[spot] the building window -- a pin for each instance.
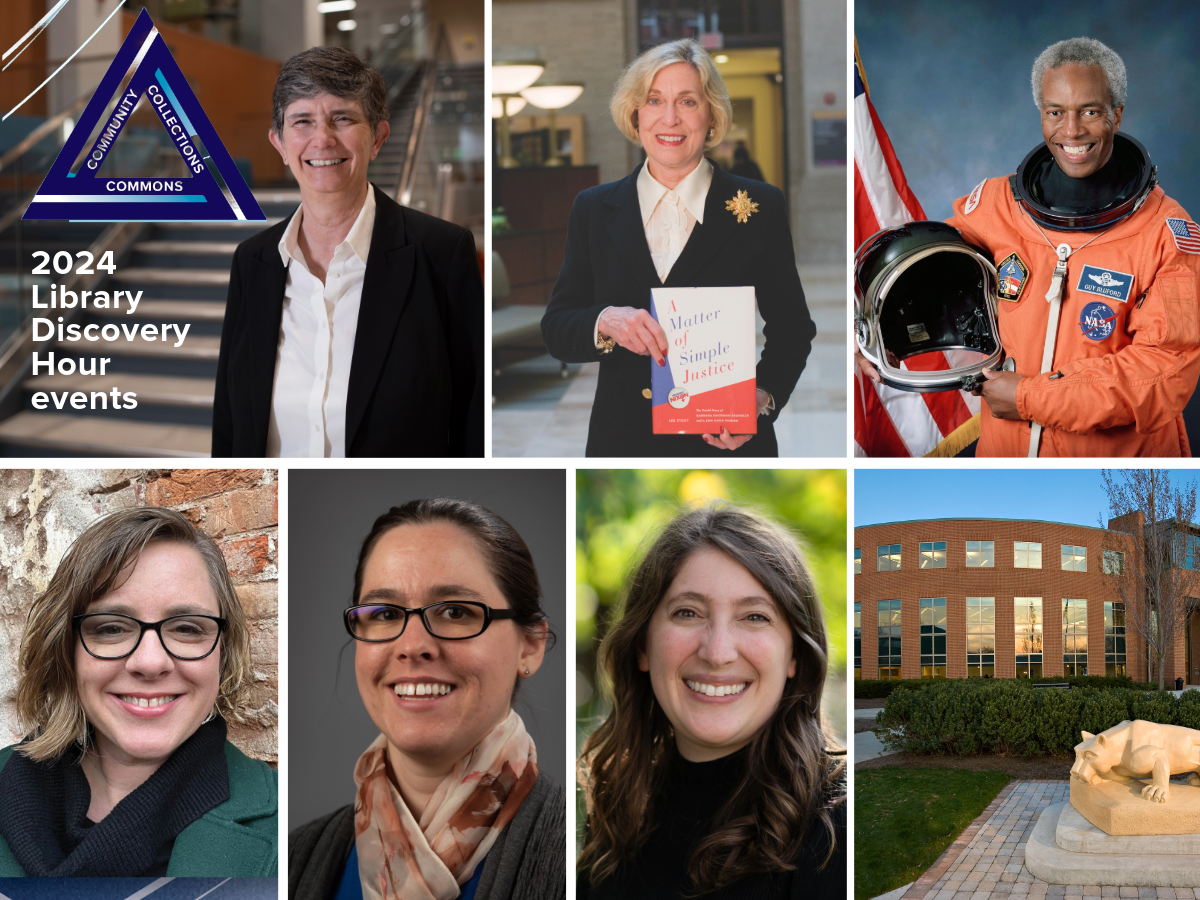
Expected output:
(981, 636)
(1114, 639)
(933, 555)
(889, 639)
(1191, 547)
(1027, 555)
(889, 558)
(981, 554)
(1074, 559)
(1074, 637)
(1028, 616)
(857, 641)
(933, 637)
(1114, 562)
(857, 561)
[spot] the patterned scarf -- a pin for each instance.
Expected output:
(400, 858)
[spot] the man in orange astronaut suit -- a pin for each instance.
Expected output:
(1083, 231)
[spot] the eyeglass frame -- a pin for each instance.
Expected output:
(489, 613)
(156, 627)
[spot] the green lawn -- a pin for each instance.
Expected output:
(905, 818)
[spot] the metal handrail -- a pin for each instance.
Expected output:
(408, 172)
(41, 131)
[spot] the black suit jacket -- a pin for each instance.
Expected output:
(608, 263)
(416, 377)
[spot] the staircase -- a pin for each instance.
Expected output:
(182, 270)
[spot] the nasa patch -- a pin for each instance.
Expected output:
(1012, 274)
(1097, 320)
(1106, 282)
(973, 199)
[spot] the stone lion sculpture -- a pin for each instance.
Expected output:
(1140, 749)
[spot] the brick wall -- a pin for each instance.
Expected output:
(43, 510)
(1004, 582)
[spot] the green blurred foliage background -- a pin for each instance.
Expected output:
(619, 512)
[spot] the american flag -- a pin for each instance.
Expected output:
(889, 422)
(1186, 234)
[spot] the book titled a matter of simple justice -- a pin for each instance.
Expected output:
(708, 382)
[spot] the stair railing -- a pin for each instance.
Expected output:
(408, 171)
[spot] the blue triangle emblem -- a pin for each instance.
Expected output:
(72, 190)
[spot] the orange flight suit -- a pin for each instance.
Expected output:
(1128, 343)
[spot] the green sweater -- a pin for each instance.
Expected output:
(239, 838)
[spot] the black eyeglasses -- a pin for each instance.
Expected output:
(456, 620)
(116, 636)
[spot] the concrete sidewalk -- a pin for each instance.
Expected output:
(987, 861)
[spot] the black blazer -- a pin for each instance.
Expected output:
(608, 263)
(416, 377)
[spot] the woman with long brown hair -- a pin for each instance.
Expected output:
(713, 776)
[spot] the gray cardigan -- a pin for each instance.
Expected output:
(527, 862)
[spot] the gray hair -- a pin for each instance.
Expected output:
(1082, 51)
(329, 70)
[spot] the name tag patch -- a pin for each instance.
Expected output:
(1105, 282)
(1097, 321)
(1011, 276)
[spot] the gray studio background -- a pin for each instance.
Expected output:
(329, 514)
(950, 81)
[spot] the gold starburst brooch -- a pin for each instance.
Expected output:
(741, 206)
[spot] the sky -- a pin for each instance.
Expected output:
(1075, 496)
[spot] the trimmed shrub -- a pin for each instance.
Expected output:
(869, 689)
(1012, 718)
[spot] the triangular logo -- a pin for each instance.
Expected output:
(73, 190)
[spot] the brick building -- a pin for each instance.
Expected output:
(1005, 598)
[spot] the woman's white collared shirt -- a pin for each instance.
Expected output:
(316, 342)
(669, 215)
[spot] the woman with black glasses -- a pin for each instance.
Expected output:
(132, 661)
(447, 622)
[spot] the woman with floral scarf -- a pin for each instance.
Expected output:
(450, 803)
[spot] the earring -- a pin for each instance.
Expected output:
(526, 671)
(710, 134)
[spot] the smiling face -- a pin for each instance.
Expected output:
(719, 651)
(145, 705)
(435, 699)
(327, 143)
(673, 123)
(1078, 118)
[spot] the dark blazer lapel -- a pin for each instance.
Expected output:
(391, 264)
(625, 227)
(709, 236)
(266, 281)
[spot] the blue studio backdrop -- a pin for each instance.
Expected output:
(950, 81)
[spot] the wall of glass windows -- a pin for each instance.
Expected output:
(1074, 619)
(858, 640)
(889, 639)
(933, 637)
(1028, 619)
(1114, 638)
(981, 636)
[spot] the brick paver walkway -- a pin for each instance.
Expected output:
(987, 862)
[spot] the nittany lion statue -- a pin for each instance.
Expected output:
(1140, 749)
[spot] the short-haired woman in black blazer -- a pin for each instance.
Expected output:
(667, 224)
